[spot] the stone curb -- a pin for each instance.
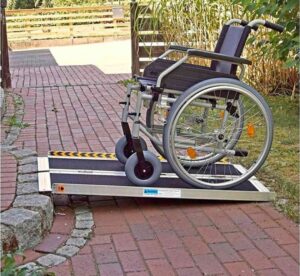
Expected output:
(19, 113)
(31, 215)
(2, 101)
(71, 247)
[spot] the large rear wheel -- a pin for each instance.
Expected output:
(237, 128)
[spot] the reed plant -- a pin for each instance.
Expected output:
(197, 23)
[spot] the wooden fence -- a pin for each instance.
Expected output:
(5, 78)
(147, 42)
(31, 27)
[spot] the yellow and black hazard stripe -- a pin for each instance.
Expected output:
(101, 155)
(82, 154)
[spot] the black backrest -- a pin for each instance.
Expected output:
(231, 43)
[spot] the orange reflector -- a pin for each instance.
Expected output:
(191, 153)
(250, 130)
(60, 188)
(222, 113)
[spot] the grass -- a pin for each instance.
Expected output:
(14, 122)
(281, 170)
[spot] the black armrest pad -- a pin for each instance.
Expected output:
(179, 48)
(217, 56)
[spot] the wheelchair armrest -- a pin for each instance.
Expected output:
(217, 56)
(180, 48)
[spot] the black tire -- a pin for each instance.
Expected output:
(123, 150)
(143, 174)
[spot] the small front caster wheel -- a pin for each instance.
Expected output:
(143, 173)
(124, 149)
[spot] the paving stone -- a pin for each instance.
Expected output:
(132, 261)
(81, 233)
(50, 260)
(11, 138)
(225, 252)
(51, 243)
(84, 265)
(39, 203)
(114, 269)
(33, 268)
(23, 153)
(124, 242)
(160, 267)
(209, 265)
(22, 178)
(8, 239)
(82, 210)
(8, 148)
(27, 188)
(84, 224)
(84, 216)
(26, 225)
(179, 258)
(63, 269)
(28, 160)
(79, 242)
(68, 250)
(28, 168)
(105, 253)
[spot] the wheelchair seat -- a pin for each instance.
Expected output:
(231, 42)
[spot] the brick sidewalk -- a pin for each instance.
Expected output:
(172, 237)
(79, 111)
(8, 180)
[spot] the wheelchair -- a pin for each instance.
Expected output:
(199, 118)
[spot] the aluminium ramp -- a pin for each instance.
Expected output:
(102, 174)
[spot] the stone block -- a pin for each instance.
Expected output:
(68, 250)
(33, 269)
(79, 242)
(28, 160)
(26, 225)
(23, 153)
(28, 168)
(8, 239)
(84, 224)
(82, 210)
(84, 216)
(38, 203)
(79, 233)
(27, 188)
(23, 178)
(50, 260)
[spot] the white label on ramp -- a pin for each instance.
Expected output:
(154, 192)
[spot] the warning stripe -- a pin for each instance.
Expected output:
(103, 155)
(82, 154)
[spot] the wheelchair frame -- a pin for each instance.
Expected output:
(157, 93)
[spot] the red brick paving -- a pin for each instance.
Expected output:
(146, 236)
(8, 180)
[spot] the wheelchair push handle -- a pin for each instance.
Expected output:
(241, 22)
(267, 24)
(273, 26)
(245, 23)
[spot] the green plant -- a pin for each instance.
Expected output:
(284, 46)
(197, 23)
(13, 121)
(10, 268)
(127, 81)
(21, 4)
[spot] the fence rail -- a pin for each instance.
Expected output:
(31, 26)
